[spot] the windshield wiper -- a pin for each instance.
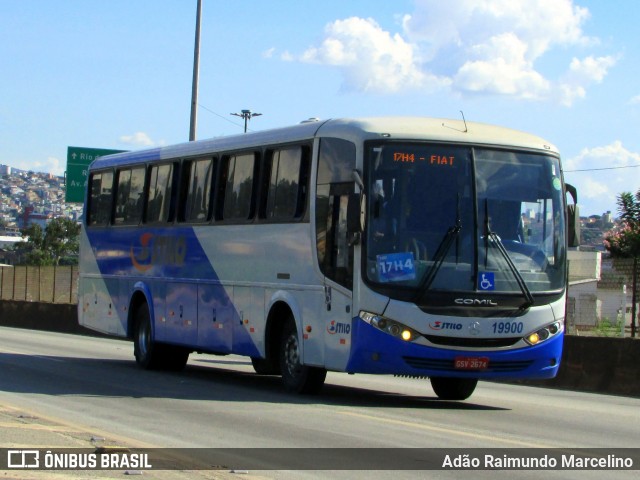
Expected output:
(440, 255)
(493, 237)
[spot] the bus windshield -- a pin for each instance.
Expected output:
(457, 218)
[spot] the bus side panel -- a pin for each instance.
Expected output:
(215, 318)
(338, 328)
(181, 314)
(248, 330)
(96, 306)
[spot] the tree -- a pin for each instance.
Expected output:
(624, 241)
(51, 246)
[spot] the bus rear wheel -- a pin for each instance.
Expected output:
(296, 377)
(447, 388)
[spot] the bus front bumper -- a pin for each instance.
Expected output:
(374, 351)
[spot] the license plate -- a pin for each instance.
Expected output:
(471, 363)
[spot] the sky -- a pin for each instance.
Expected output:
(117, 74)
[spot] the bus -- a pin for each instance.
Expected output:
(415, 247)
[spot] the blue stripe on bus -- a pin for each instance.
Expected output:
(378, 352)
(152, 257)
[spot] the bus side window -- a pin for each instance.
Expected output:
(160, 189)
(336, 163)
(129, 196)
(99, 211)
(238, 187)
(287, 187)
(196, 198)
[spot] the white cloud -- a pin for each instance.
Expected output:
(601, 174)
(268, 53)
(614, 155)
(468, 46)
(51, 165)
(591, 188)
(581, 74)
(371, 58)
(138, 139)
(502, 68)
(635, 100)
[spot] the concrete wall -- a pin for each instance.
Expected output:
(599, 365)
(55, 317)
(592, 364)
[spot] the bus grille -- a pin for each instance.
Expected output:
(472, 342)
(447, 365)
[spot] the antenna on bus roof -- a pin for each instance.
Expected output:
(466, 129)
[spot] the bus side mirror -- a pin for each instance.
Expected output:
(573, 218)
(355, 217)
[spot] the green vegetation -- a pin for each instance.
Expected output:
(624, 241)
(56, 245)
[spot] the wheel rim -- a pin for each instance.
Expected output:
(292, 355)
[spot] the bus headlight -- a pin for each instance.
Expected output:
(393, 328)
(543, 334)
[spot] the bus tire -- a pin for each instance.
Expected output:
(148, 353)
(448, 388)
(265, 366)
(174, 358)
(296, 377)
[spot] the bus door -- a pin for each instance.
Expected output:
(335, 256)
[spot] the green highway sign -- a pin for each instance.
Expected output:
(78, 160)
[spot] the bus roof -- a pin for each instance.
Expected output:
(409, 128)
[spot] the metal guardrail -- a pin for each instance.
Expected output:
(50, 284)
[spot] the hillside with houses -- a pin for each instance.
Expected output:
(30, 197)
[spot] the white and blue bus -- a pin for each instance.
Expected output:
(407, 246)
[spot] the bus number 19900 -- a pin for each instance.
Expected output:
(508, 327)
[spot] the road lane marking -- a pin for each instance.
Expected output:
(449, 431)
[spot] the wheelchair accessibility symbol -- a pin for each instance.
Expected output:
(486, 281)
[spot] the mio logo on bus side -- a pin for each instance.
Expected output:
(338, 327)
(158, 250)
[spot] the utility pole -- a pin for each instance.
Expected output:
(246, 115)
(196, 71)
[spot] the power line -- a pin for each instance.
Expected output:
(226, 119)
(597, 169)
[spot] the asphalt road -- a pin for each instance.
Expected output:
(92, 385)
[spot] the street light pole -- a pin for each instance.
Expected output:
(196, 71)
(246, 115)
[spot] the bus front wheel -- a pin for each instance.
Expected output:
(296, 377)
(447, 388)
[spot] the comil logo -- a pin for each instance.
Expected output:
(23, 459)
